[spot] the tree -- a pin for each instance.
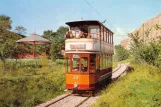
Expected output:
(49, 34)
(20, 30)
(145, 52)
(7, 49)
(58, 41)
(121, 53)
(5, 22)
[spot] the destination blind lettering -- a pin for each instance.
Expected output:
(77, 46)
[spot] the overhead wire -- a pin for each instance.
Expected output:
(98, 13)
(93, 8)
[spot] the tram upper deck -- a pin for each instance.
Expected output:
(88, 36)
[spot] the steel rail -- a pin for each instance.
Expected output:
(83, 101)
(57, 100)
(117, 68)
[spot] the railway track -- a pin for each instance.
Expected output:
(119, 71)
(117, 68)
(71, 100)
(68, 100)
(56, 100)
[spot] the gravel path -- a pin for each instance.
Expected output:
(72, 101)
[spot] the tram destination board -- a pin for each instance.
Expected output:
(76, 56)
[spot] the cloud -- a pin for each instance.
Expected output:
(120, 32)
(119, 35)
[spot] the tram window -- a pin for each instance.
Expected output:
(108, 36)
(111, 38)
(84, 64)
(92, 63)
(104, 61)
(109, 61)
(75, 64)
(75, 32)
(104, 35)
(101, 61)
(94, 33)
(98, 63)
(67, 64)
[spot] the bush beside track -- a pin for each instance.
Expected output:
(28, 85)
(140, 88)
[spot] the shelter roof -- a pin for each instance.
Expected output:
(33, 39)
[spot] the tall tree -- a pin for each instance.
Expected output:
(49, 34)
(8, 50)
(121, 53)
(20, 30)
(5, 22)
(58, 41)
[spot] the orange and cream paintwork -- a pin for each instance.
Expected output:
(84, 81)
(88, 54)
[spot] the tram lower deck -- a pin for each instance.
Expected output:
(85, 71)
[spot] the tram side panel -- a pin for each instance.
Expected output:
(88, 81)
(80, 81)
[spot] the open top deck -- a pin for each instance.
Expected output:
(88, 36)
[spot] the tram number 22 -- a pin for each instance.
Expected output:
(75, 77)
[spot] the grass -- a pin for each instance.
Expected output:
(140, 88)
(28, 85)
(114, 64)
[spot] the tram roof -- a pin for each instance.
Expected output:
(86, 22)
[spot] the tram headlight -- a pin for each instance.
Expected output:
(75, 85)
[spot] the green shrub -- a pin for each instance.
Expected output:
(140, 88)
(28, 87)
(145, 52)
(121, 53)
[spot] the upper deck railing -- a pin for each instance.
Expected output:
(79, 34)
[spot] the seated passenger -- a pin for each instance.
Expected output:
(77, 67)
(85, 35)
(67, 35)
(82, 35)
(77, 34)
(82, 67)
(71, 35)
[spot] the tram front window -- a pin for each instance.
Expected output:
(67, 64)
(75, 63)
(84, 64)
(92, 63)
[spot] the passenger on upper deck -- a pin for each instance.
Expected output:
(83, 35)
(76, 34)
(67, 35)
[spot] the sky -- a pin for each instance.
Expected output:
(122, 16)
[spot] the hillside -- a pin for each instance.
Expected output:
(148, 31)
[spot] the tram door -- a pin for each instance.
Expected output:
(92, 63)
(92, 71)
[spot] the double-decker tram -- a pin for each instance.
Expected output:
(88, 55)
